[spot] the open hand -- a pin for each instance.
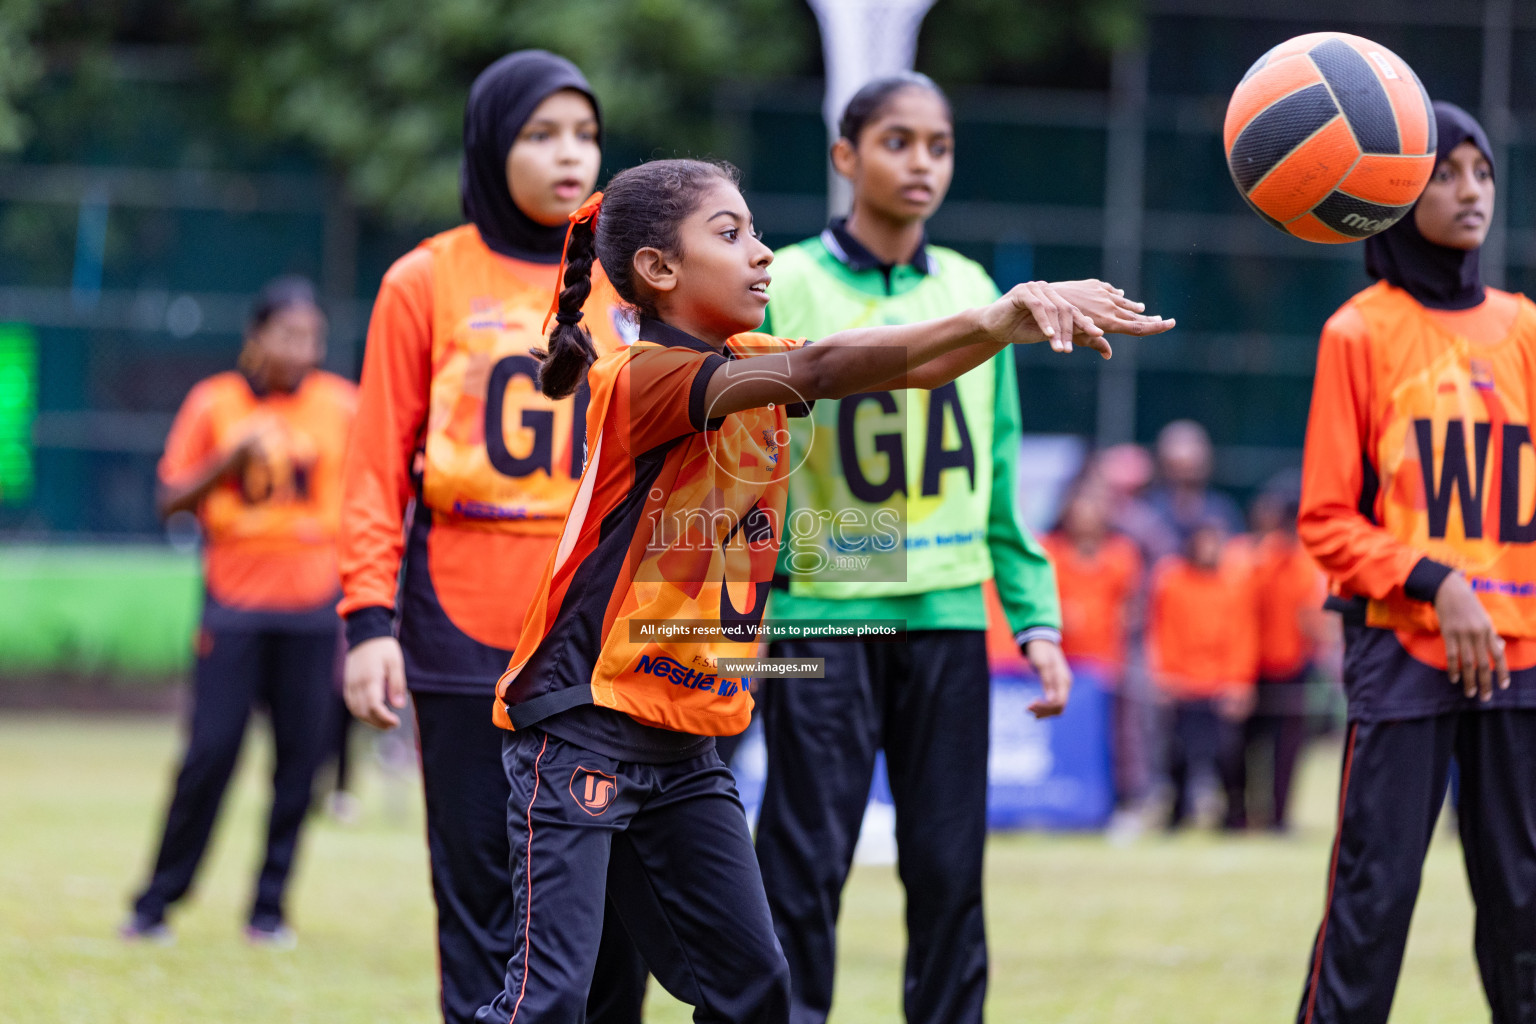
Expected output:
(1110, 310)
(1034, 312)
(1474, 652)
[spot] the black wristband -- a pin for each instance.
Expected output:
(369, 623)
(1424, 581)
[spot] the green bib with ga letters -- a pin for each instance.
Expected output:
(889, 492)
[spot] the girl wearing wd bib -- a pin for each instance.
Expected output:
(1417, 501)
(615, 692)
(453, 428)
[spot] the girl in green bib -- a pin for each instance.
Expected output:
(900, 509)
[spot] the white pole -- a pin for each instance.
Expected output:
(861, 40)
(1498, 36)
(1124, 185)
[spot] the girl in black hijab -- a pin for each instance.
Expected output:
(1415, 499)
(500, 103)
(450, 418)
(1439, 276)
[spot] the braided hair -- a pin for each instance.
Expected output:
(642, 208)
(564, 364)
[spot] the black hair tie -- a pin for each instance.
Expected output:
(569, 319)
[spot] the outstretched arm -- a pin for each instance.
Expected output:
(860, 359)
(1100, 301)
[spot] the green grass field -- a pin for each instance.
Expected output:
(1195, 929)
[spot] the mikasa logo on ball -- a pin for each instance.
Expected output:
(1355, 220)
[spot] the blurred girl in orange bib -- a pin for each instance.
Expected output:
(256, 453)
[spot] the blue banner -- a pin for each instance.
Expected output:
(1052, 773)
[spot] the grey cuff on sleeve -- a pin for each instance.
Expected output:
(1029, 633)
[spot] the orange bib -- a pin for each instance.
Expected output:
(673, 524)
(270, 531)
(1450, 431)
(498, 454)
(290, 494)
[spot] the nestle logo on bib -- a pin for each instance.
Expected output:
(681, 675)
(593, 790)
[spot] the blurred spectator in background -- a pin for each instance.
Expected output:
(1182, 498)
(1289, 590)
(1098, 574)
(1127, 470)
(256, 453)
(1201, 649)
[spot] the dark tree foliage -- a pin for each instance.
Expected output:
(1026, 42)
(377, 87)
(20, 65)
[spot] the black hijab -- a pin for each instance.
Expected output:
(1438, 276)
(500, 103)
